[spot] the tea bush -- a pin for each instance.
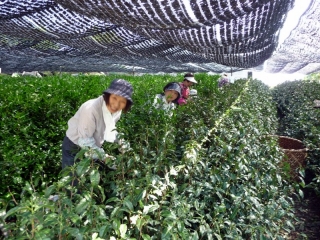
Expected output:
(299, 119)
(208, 172)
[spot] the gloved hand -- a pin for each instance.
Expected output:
(113, 167)
(124, 146)
(109, 161)
(53, 198)
(95, 153)
(108, 157)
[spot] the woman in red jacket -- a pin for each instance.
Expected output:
(187, 82)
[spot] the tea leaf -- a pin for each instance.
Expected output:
(82, 206)
(94, 177)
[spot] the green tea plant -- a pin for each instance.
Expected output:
(208, 172)
(237, 173)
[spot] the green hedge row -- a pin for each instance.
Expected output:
(299, 119)
(211, 171)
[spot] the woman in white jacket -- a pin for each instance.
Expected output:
(168, 99)
(94, 122)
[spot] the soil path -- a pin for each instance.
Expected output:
(307, 225)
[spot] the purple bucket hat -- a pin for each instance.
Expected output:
(121, 88)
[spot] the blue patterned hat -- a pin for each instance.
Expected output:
(121, 88)
(173, 86)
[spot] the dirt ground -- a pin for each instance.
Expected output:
(307, 225)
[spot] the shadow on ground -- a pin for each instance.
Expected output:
(307, 212)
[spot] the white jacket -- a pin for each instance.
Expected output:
(160, 102)
(87, 128)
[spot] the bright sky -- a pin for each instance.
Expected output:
(293, 16)
(269, 79)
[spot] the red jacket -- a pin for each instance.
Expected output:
(184, 94)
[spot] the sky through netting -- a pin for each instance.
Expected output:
(144, 36)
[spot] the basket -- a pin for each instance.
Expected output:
(295, 154)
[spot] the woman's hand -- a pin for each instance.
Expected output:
(109, 161)
(108, 157)
(124, 146)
